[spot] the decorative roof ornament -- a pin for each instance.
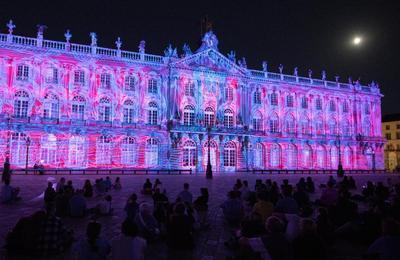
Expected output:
(142, 46)
(265, 66)
(296, 71)
(67, 36)
(41, 28)
(93, 37)
(186, 50)
(10, 26)
(350, 80)
(280, 68)
(310, 73)
(323, 75)
(209, 41)
(118, 43)
(232, 56)
(169, 52)
(242, 63)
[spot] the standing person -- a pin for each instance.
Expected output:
(60, 185)
(117, 184)
(93, 247)
(129, 245)
(201, 206)
(6, 171)
(87, 189)
(50, 194)
(186, 195)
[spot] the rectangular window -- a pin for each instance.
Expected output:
(105, 80)
(51, 76)
(78, 111)
(22, 72)
(130, 83)
(79, 77)
(304, 103)
(397, 126)
(152, 86)
(397, 135)
(318, 104)
(257, 97)
(21, 108)
(274, 99)
(257, 124)
(152, 117)
(289, 101)
(128, 115)
(229, 93)
(388, 136)
(209, 119)
(387, 127)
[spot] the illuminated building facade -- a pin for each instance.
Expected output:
(83, 106)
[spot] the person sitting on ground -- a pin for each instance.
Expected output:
(49, 194)
(93, 247)
(310, 188)
(108, 183)
(180, 229)
(60, 185)
(201, 206)
(232, 209)
(104, 207)
(185, 195)
(129, 245)
(77, 204)
(117, 184)
(287, 204)
(263, 206)
(386, 246)
(87, 189)
(9, 194)
(147, 188)
(147, 224)
(329, 195)
(307, 245)
(131, 207)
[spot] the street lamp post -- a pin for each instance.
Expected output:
(340, 171)
(209, 173)
(28, 143)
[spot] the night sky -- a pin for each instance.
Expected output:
(306, 34)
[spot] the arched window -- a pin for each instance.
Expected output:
(257, 97)
(209, 117)
(130, 83)
(103, 150)
(320, 154)
(105, 80)
(289, 101)
(188, 115)
(274, 123)
(189, 154)
(128, 111)
(152, 86)
(151, 152)
(78, 108)
(257, 121)
(333, 126)
(347, 157)
(291, 156)
(51, 106)
(51, 75)
(189, 89)
(229, 93)
(228, 118)
(305, 125)
(128, 151)
(105, 110)
(332, 106)
(346, 127)
(306, 156)
(77, 151)
(230, 154)
(18, 149)
(319, 126)
(259, 155)
(48, 149)
(275, 156)
(152, 114)
(79, 77)
(318, 103)
(304, 102)
(23, 72)
(334, 157)
(290, 124)
(273, 99)
(345, 107)
(21, 103)
(213, 154)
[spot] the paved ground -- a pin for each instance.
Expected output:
(209, 243)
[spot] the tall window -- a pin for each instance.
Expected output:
(346, 128)
(189, 89)
(152, 86)
(18, 149)
(79, 77)
(21, 104)
(228, 118)
(130, 83)
(77, 151)
(334, 157)
(48, 149)
(320, 154)
(257, 121)
(367, 127)
(152, 114)
(290, 124)
(319, 126)
(274, 157)
(305, 126)
(103, 150)
(306, 156)
(128, 151)
(188, 115)
(230, 154)
(291, 156)
(151, 152)
(318, 104)
(274, 123)
(229, 93)
(128, 112)
(51, 75)
(366, 109)
(304, 102)
(333, 127)
(257, 97)
(347, 157)
(78, 108)
(289, 101)
(209, 117)
(213, 154)
(105, 110)
(332, 106)
(23, 72)
(259, 155)
(50, 106)
(189, 154)
(345, 107)
(273, 99)
(105, 80)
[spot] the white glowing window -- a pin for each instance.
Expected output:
(320, 154)
(209, 117)
(291, 156)
(103, 150)
(289, 101)
(128, 111)
(345, 107)
(130, 83)
(78, 108)
(318, 104)
(334, 157)
(51, 75)
(228, 118)
(332, 106)
(151, 152)
(105, 80)
(229, 93)
(259, 155)
(257, 97)
(290, 124)
(152, 86)
(306, 156)
(257, 121)
(77, 152)
(128, 151)
(188, 115)
(189, 154)
(21, 103)
(304, 103)
(18, 147)
(213, 154)
(274, 158)
(189, 89)
(230, 154)
(273, 99)
(23, 72)
(79, 77)
(152, 114)
(274, 124)
(319, 126)
(51, 106)
(333, 127)
(105, 110)
(305, 126)
(48, 149)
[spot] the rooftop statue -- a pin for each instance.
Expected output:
(93, 37)
(142, 46)
(186, 50)
(209, 41)
(232, 56)
(265, 66)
